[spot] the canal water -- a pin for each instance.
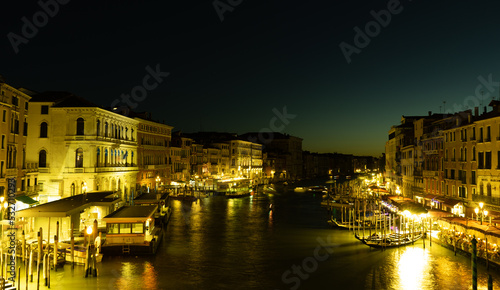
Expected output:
(220, 243)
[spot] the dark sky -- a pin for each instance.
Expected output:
(234, 75)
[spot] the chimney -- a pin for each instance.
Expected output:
(430, 113)
(484, 110)
(476, 111)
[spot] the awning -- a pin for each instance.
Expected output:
(26, 199)
(430, 196)
(451, 202)
(440, 199)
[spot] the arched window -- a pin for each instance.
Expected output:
(106, 157)
(80, 126)
(43, 130)
(98, 127)
(98, 157)
(42, 158)
(488, 188)
(79, 158)
(106, 129)
(73, 189)
(481, 190)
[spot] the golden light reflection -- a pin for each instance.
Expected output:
(149, 277)
(412, 266)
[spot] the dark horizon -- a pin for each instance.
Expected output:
(346, 72)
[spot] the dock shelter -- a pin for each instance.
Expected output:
(80, 210)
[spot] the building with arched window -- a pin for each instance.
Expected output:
(13, 131)
(71, 151)
(153, 150)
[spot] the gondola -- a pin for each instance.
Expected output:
(391, 241)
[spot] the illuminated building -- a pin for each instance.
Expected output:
(283, 150)
(181, 157)
(13, 130)
(79, 147)
(153, 140)
(225, 158)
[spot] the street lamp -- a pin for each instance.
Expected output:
(157, 181)
(484, 212)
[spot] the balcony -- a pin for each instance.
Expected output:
(11, 172)
(33, 189)
(157, 166)
(114, 169)
(486, 199)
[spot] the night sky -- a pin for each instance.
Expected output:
(234, 75)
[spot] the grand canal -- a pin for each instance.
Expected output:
(219, 243)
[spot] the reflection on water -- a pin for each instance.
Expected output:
(413, 264)
(219, 243)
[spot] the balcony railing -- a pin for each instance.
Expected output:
(486, 199)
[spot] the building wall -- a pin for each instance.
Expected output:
(153, 151)
(108, 146)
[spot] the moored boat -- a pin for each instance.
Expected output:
(132, 230)
(393, 240)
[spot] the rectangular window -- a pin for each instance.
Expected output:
(113, 229)
(452, 173)
(125, 228)
(4, 115)
(480, 157)
(3, 141)
(25, 129)
(26, 106)
(487, 162)
(473, 177)
(137, 228)
(15, 101)
(45, 110)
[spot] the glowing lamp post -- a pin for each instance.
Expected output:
(88, 267)
(483, 212)
(398, 191)
(157, 181)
